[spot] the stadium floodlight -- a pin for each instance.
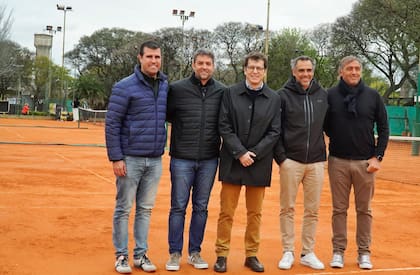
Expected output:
(181, 14)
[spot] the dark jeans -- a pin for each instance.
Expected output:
(196, 177)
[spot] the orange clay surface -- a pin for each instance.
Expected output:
(57, 201)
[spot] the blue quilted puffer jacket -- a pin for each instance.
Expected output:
(135, 121)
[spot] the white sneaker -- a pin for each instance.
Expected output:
(121, 265)
(195, 260)
(337, 261)
(364, 261)
(173, 263)
(312, 261)
(287, 260)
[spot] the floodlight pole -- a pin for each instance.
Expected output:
(65, 9)
(267, 34)
(51, 30)
(183, 18)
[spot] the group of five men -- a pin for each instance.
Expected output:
(244, 127)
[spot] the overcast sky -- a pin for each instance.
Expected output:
(88, 16)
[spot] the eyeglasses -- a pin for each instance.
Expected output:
(253, 68)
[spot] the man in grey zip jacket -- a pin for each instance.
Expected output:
(301, 155)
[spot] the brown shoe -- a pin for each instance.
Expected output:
(220, 265)
(254, 264)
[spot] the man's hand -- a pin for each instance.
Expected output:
(247, 159)
(120, 170)
(373, 165)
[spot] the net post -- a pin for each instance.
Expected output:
(415, 145)
(78, 115)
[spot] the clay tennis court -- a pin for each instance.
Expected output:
(57, 198)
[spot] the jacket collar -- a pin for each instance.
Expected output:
(197, 81)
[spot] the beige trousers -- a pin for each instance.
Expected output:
(311, 175)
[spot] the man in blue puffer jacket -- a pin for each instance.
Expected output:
(135, 139)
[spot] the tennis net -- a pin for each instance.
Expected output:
(402, 160)
(92, 116)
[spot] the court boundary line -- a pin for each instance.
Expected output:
(85, 169)
(53, 143)
(42, 126)
(364, 271)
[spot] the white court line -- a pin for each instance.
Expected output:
(365, 271)
(55, 193)
(377, 204)
(58, 207)
(14, 132)
(88, 170)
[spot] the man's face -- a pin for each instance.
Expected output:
(303, 73)
(203, 67)
(351, 73)
(150, 61)
(254, 72)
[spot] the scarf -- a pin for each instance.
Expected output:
(350, 95)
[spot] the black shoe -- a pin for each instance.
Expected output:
(254, 264)
(220, 265)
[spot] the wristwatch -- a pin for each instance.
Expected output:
(379, 157)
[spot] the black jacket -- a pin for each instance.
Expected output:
(193, 111)
(352, 136)
(245, 126)
(302, 120)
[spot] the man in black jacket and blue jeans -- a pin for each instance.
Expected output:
(301, 155)
(193, 110)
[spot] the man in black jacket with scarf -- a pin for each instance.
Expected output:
(301, 156)
(354, 156)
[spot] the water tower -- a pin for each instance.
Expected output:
(43, 44)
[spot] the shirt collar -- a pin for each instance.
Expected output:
(252, 89)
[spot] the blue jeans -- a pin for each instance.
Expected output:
(141, 184)
(187, 175)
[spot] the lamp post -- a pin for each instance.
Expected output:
(19, 87)
(51, 30)
(267, 33)
(65, 9)
(183, 17)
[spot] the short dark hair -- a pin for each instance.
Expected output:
(203, 51)
(151, 44)
(256, 56)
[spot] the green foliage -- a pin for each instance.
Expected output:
(103, 58)
(90, 88)
(286, 45)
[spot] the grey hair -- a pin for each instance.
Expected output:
(294, 61)
(348, 59)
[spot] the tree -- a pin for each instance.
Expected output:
(234, 41)
(15, 68)
(91, 89)
(47, 79)
(327, 58)
(108, 55)
(284, 46)
(176, 52)
(6, 22)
